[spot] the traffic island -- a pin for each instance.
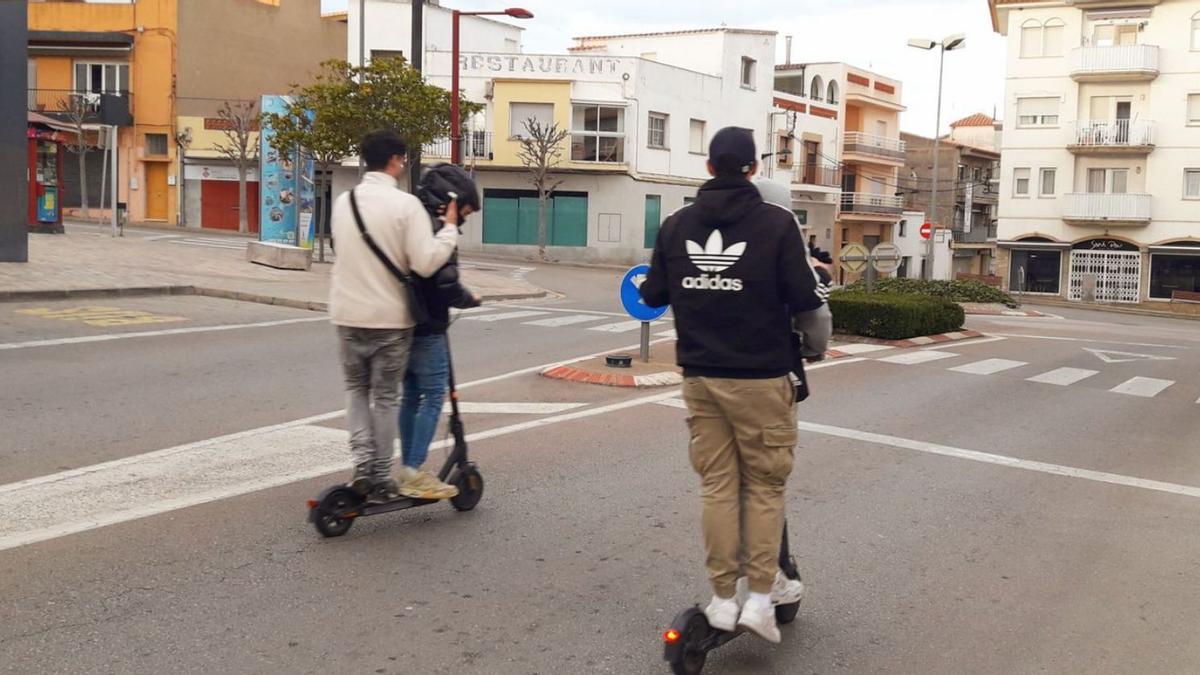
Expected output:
(659, 371)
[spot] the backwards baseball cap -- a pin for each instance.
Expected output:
(732, 151)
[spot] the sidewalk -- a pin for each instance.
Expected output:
(86, 261)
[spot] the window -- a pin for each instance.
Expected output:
(1196, 31)
(1037, 112)
(1170, 272)
(696, 137)
(833, 92)
(1108, 181)
(1191, 184)
(1031, 39)
(653, 220)
(1020, 182)
(1112, 34)
(520, 113)
(1048, 176)
(783, 150)
(1052, 37)
(598, 134)
(377, 54)
(156, 145)
(1039, 39)
(749, 69)
(903, 229)
(817, 88)
(102, 78)
(1035, 272)
(656, 136)
(1193, 109)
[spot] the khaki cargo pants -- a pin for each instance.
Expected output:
(743, 433)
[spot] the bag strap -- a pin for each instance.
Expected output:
(370, 241)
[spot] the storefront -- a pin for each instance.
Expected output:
(1035, 265)
(45, 166)
(1174, 268)
(1105, 270)
(210, 196)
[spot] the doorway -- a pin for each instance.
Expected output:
(156, 191)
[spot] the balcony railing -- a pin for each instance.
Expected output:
(1107, 208)
(876, 146)
(475, 145)
(979, 234)
(816, 174)
(1112, 135)
(95, 107)
(1128, 62)
(872, 204)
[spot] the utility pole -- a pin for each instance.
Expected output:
(14, 172)
(362, 61)
(417, 59)
(933, 199)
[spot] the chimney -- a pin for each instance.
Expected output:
(787, 54)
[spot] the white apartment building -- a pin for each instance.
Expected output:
(1100, 174)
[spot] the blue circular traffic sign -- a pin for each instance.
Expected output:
(631, 299)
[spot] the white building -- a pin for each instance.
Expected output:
(1100, 177)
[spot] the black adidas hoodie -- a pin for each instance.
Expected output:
(734, 270)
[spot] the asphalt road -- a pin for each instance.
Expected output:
(1012, 504)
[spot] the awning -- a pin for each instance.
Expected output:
(1033, 245)
(62, 42)
(38, 118)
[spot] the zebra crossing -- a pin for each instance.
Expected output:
(553, 317)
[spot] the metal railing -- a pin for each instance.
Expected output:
(98, 107)
(1115, 60)
(872, 204)
(817, 174)
(1112, 134)
(1129, 207)
(878, 146)
(475, 145)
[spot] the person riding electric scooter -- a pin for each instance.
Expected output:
(427, 376)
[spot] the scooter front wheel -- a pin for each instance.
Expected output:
(469, 482)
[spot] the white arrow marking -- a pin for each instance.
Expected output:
(1109, 356)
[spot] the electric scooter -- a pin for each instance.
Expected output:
(688, 641)
(335, 510)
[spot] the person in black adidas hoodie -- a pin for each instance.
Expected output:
(735, 271)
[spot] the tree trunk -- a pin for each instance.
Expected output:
(83, 195)
(542, 225)
(243, 221)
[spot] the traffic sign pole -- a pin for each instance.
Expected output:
(645, 342)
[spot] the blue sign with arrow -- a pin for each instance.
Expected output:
(631, 299)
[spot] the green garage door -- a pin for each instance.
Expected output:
(570, 221)
(511, 217)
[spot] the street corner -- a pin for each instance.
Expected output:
(623, 368)
(994, 309)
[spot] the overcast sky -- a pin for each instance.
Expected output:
(867, 33)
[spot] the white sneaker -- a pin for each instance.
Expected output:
(786, 591)
(722, 614)
(760, 620)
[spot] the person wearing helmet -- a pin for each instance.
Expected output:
(427, 377)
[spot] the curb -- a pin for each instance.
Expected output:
(1005, 312)
(573, 374)
(912, 342)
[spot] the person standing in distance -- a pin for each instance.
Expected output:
(369, 304)
(735, 271)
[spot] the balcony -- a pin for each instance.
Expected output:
(1132, 137)
(475, 145)
(1109, 209)
(871, 206)
(1118, 62)
(91, 107)
(818, 175)
(875, 148)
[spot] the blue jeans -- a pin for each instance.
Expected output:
(425, 385)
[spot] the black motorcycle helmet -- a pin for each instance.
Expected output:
(442, 183)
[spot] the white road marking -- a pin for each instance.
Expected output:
(572, 310)
(667, 334)
(674, 403)
(1094, 341)
(209, 244)
(215, 469)
(1064, 377)
(853, 349)
(156, 333)
(969, 342)
(159, 237)
(913, 358)
(1012, 462)
(477, 310)
(988, 366)
(565, 320)
(504, 316)
(1109, 356)
(515, 408)
(1146, 387)
(620, 327)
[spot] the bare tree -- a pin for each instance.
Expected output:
(541, 153)
(239, 126)
(79, 108)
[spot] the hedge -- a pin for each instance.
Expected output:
(959, 290)
(893, 316)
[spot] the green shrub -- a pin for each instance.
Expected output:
(959, 290)
(893, 316)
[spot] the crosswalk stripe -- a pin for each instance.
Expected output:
(518, 408)
(188, 242)
(620, 327)
(1146, 387)
(478, 310)
(505, 316)
(861, 348)
(913, 358)
(1064, 377)
(567, 320)
(667, 334)
(989, 366)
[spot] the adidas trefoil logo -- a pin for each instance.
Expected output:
(714, 257)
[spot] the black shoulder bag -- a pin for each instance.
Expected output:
(416, 301)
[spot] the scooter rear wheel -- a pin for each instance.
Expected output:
(469, 482)
(328, 515)
(692, 655)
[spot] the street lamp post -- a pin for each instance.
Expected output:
(455, 122)
(949, 44)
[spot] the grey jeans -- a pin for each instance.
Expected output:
(373, 364)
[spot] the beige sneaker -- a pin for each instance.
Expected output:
(424, 485)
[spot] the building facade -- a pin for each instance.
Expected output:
(1100, 176)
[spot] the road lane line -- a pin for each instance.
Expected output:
(1145, 387)
(506, 316)
(988, 366)
(913, 358)
(155, 333)
(565, 320)
(1001, 460)
(565, 309)
(619, 327)
(1103, 342)
(1064, 377)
